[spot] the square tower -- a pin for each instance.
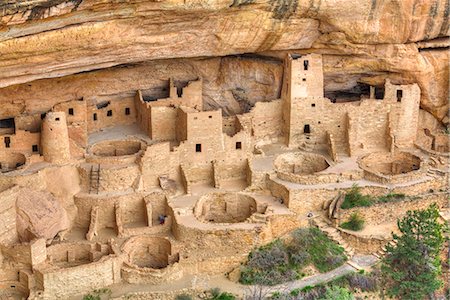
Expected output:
(303, 80)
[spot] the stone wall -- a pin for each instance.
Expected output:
(8, 232)
(108, 113)
(66, 282)
(389, 212)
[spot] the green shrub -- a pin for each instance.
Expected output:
(354, 198)
(391, 197)
(91, 297)
(322, 252)
(355, 223)
(216, 294)
(337, 293)
(269, 265)
(279, 262)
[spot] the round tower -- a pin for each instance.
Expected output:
(55, 138)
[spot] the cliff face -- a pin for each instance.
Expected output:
(362, 41)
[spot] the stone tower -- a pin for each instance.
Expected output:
(55, 138)
(303, 80)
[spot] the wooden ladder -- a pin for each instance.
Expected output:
(94, 179)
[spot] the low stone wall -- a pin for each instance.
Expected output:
(62, 283)
(224, 171)
(364, 244)
(134, 274)
(320, 178)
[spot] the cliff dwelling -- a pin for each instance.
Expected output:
(153, 164)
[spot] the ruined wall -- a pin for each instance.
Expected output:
(66, 282)
(159, 160)
(22, 141)
(108, 113)
(223, 171)
(267, 120)
(8, 232)
(163, 121)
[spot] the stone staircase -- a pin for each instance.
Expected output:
(436, 173)
(94, 179)
(257, 218)
(308, 143)
(382, 252)
(333, 234)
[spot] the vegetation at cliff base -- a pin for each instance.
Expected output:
(282, 261)
(412, 267)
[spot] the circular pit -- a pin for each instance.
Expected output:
(301, 163)
(225, 207)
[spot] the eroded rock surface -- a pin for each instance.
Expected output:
(39, 215)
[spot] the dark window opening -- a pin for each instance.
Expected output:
(43, 116)
(379, 93)
(303, 79)
(35, 148)
(198, 147)
(7, 123)
(305, 65)
(103, 105)
(94, 116)
(399, 95)
(210, 117)
(313, 105)
(238, 145)
(56, 119)
(127, 111)
(7, 142)
(306, 129)
(318, 122)
(351, 94)
(71, 111)
(109, 113)
(179, 92)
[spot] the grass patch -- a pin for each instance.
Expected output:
(355, 223)
(217, 294)
(354, 198)
(391, 197)
(279, 262)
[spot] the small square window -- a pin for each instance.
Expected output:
(71, 111)
(306, 128)
(7, 142)
(35, 148)
(109, 113)
(210, 117)
(94, 116)
(238, 145)
(305, 65)
(303, 79)
(56, 119)
(313, 105)
(198, 147)
(127, 111)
